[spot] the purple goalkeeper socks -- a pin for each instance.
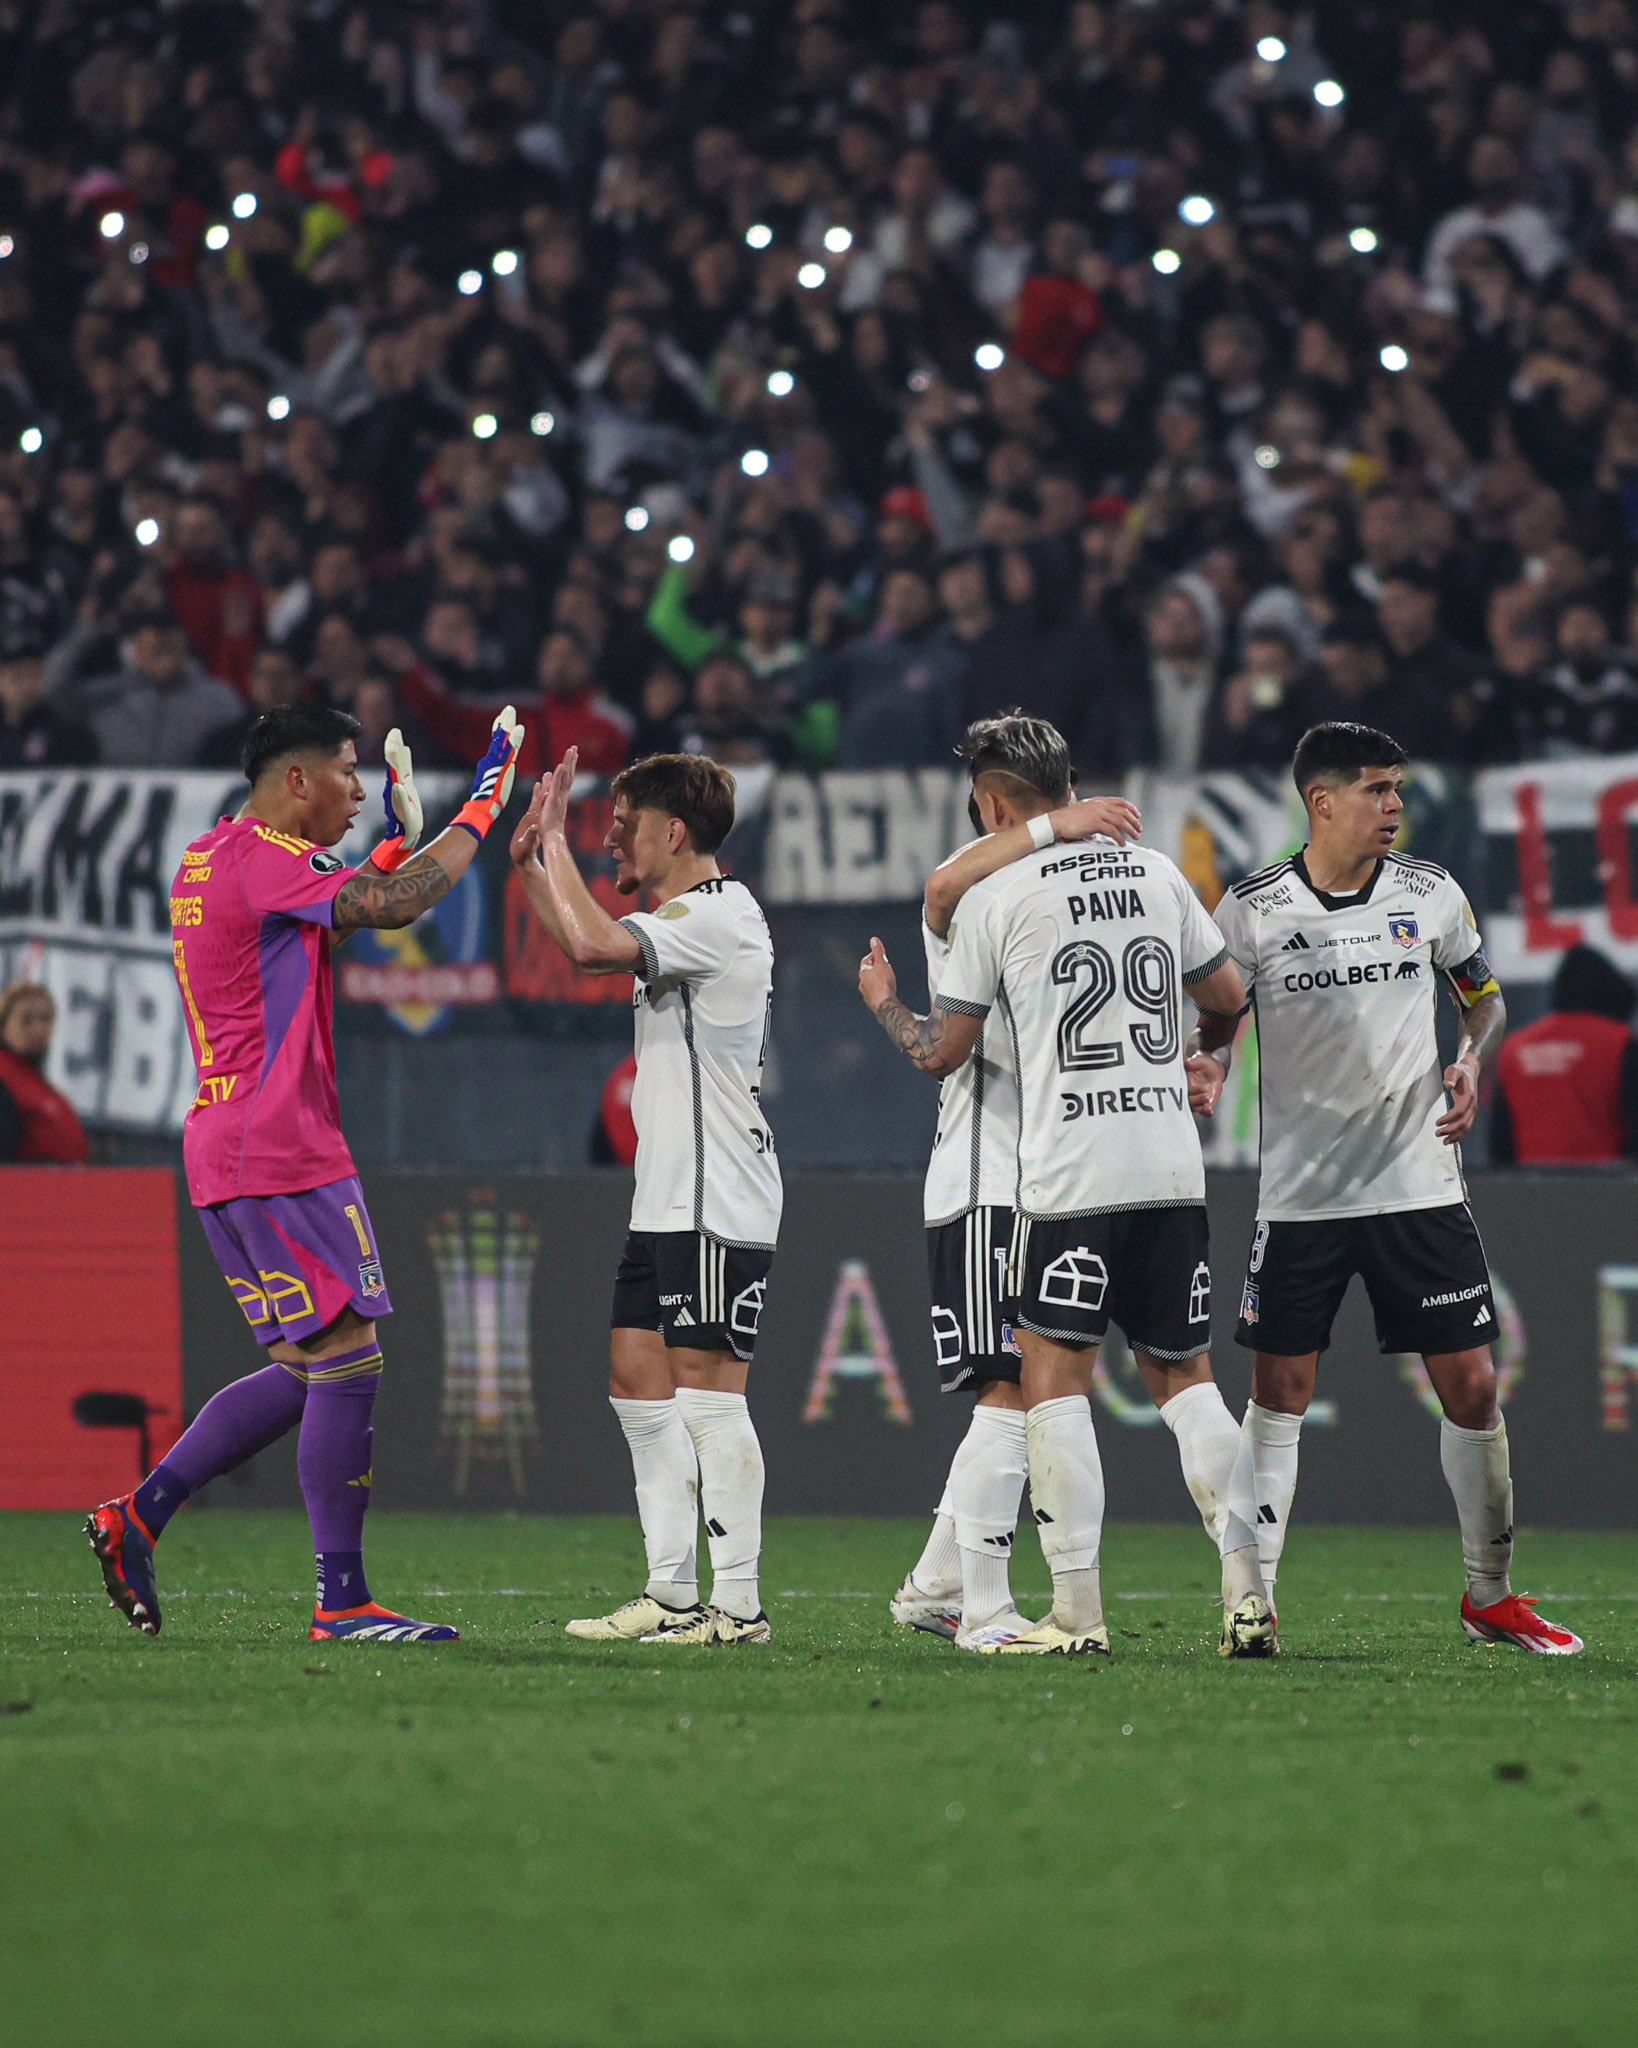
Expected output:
(333, 1459)
(231, 1427)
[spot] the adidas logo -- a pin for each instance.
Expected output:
(683, 1321)
(1482, 1317)
(1295, 944)
(1266, 1514)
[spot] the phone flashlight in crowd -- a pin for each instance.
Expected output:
(1362, 241)
(989, 355)
(31, 440)
(111, 226)
(541, 424)
(759, 235)
(138, 253)
(919, 381)
(485, 427)
(1197, 210)
(679, 548)
(244, 205)
(838, 241)
(469, 283)
(754, 462)
(217, 237)
(278, 407)
(636, 518)
(1393, 358)
(1267, 456)
(1271, 50)
(146, 532)
(1329, 94)
(6, 246)
(504, 262)
(811, 276)
(780, 383)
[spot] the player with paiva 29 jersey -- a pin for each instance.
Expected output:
(960, 1586)
(1086, 951)
(705, 1215)
(258, 906)
(1342, 947)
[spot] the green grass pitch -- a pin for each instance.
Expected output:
(856, 1836)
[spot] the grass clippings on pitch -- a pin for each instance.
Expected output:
(855, 1836)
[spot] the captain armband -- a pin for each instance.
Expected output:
(1474, 980)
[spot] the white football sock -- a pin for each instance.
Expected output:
(938, 1569)
(1066, 1484)
(731, 1481)
(1479, 1473)
(1272, 1436)
(1208, 1442)
(668, 1494)
(986, 1490)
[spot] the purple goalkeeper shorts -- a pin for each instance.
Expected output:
(295, 1262)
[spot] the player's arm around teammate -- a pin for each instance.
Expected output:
(688, 1295)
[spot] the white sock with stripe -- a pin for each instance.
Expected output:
(1273, 1438)
(731, 1484)
(1478, 1471)
(1208, 1442)
(668, 1494)
(1066, 1485)
(986, 1491)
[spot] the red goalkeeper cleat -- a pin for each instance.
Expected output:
(1515, 1620)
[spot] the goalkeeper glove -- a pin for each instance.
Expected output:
(492, 785)
(402, 805)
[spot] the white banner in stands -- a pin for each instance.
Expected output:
(1559, 847)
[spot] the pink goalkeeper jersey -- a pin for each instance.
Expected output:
(251, 911)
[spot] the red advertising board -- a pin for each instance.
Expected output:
(91, 1336)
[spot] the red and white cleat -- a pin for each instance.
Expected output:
(1515, 1620)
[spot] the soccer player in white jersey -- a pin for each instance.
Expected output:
(705, 1216)
(960, 1587)
(1085, 951)
(1342, 947)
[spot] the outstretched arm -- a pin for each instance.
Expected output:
(940, 1043)
(388, 900)
(1111, 816)
(556, 889)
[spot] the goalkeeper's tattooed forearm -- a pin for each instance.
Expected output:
(920, 1039)
(388, 902)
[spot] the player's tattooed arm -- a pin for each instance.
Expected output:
(373, 901)
(1484, 1026)
(939, 1044)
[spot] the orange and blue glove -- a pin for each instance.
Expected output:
(402, 805)
(492, 784)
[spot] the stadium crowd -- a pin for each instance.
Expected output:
(799, 379)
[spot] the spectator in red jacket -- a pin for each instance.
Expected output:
(1568, 1084)
(38, 1123)
(569, 711)
(218, 606)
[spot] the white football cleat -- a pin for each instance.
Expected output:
(1049, 1638)
(710, 1627)
(1005, 1627)
(629, 1624)
(1249, 1629)
(933, 1613)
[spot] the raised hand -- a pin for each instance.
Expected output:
(878, 983)
(402, 804)
(1108, 817)
(492, 782)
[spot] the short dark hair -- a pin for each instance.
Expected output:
(692, 787)
(1339, 751)
(1027, 752)
(294, 729)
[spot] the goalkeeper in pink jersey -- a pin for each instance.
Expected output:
(256, 909)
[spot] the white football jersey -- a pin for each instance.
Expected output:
(704, 997)
(1345, 989)
(975, 1148)
(1086, 950)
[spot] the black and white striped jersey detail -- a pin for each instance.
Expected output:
(1248, 885)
